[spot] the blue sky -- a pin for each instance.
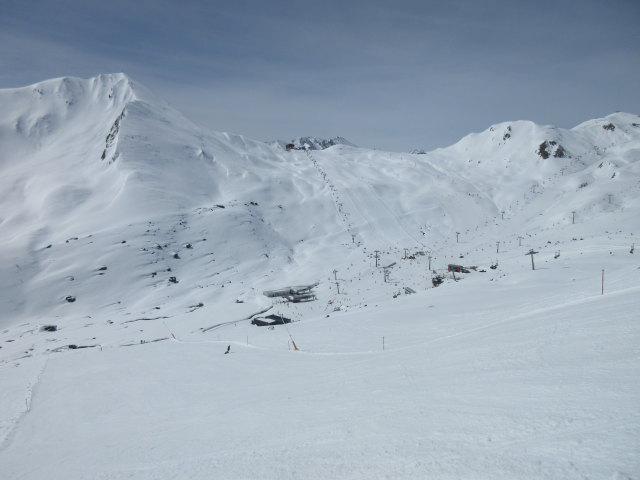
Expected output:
(390, 75)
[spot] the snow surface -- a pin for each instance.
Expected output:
(107, 193)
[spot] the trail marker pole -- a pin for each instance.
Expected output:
(573, 218)
(602, 291)
(429, 262)
(295, 347)
(457, 234)
(497, 247)
(383, 344)
(174, 337)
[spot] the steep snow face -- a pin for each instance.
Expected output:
(81, 157)
(49, 132)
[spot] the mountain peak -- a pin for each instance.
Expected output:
(113, 86)
(314, 143)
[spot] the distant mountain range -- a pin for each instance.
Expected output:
(313, 143)
(100, 173)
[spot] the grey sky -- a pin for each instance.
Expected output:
(393, 75)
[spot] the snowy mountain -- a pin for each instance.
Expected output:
(313, 143)
(137, 247)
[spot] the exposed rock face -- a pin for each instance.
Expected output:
(551, 147)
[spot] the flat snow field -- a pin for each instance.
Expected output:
(469, 385)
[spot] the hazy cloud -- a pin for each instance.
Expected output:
(394, 75)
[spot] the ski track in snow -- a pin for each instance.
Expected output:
(30, 393)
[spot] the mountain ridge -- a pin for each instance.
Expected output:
(97, 155)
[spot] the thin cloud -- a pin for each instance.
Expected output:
(395, 76)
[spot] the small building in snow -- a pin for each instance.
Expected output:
(294, 294)
(457, 268)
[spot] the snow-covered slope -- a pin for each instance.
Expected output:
(150, 240)
(98, 173)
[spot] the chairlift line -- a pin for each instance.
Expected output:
(532, 253)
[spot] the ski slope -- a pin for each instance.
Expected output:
(160, 230)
